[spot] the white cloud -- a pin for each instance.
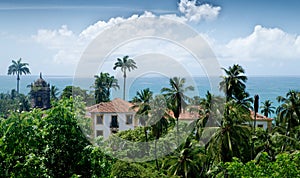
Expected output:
(194, 13)
(262, 44)
(70, 46)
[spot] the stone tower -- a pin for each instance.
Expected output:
(40, 94)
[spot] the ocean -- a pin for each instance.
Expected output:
(266, 87)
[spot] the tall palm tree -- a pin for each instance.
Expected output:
(158, 121)
(190, 162)
(211, 110)
(267, 108)
(103, 84)
(54, 92)
(142, 102)
(125, 64)
(234, 82)
(176, 98)
(233, 136)
(18, 68)
(288, 113)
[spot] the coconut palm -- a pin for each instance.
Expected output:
(176, 98)
(211, 110)
(18, 68)
(234, 81)
(54, 92)
(158, 121)
(233, 136)
(267, 108)
(191, 161)
(289, 110)
(288, 113)
(125, 64)
(103, 84)
(142, 102)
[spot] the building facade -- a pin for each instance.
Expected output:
(110, 117)
(40, 94)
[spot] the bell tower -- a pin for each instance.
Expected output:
(40, 94)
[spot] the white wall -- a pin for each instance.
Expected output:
(106, 123)
(264, 123)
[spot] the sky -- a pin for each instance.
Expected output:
(52, 36)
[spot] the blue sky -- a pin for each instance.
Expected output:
(261, 35)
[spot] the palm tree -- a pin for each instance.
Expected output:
(211, 110)
(234, 82)
(142, 102)
(54, 92)
(176, 98)
(267, 108)
(18, 68)
(103, 84)
(288, 113)
(158, 120)
(233, 135)
(125, 64)
(191, 161)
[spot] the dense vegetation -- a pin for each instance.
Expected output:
(222, 142)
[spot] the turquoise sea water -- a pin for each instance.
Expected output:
(265, 87)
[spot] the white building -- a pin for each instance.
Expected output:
(111, 117)
(117, 115)
(262, 121)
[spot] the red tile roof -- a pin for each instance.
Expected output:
(260, 117)
(117, 105)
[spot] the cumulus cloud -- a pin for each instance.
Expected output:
(195, 13)
(262, 44)
(70, 46)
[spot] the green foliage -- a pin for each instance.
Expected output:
(73, 91)
(13, 103)
(285, 165)
(103, 84)
(126, 169)
(49, 144)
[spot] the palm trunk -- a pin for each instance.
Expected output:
(146, 137)
(155, 153)
(287, 134)
(177, 131)
(18, 80)
(124, 87)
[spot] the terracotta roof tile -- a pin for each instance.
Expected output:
(114, 106)
(260, 117)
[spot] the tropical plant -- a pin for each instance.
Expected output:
(234, 82)
(125, 64)
(176, 98)
(158, 121)
(267, 108)
(54, 92)
(211, 112)
(288, 114)
(190, 162)
(103, 84)
(285, 165)
(43, 143)
(232, 138)
(142, 102)
(18, 68)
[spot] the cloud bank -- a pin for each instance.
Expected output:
(70, 46)
(262, 44)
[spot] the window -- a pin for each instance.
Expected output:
(99, 119)
(114, 122)
(260, 125)
(128, 119)
(99, 133)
